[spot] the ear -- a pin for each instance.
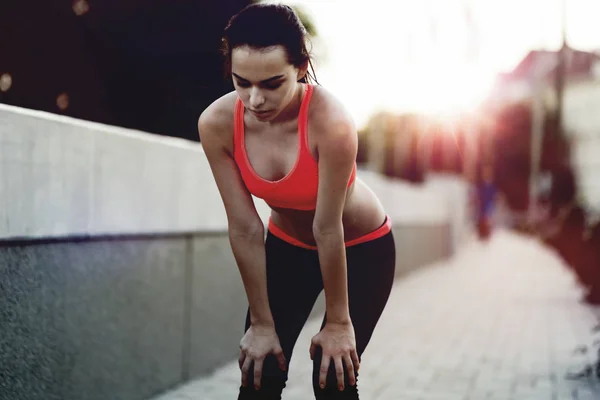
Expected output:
(302, 70)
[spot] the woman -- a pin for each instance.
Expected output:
(487, 196)
(293, 145)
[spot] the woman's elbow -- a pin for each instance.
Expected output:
(327, 231)
(246, 229)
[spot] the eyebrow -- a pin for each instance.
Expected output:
(264, 81)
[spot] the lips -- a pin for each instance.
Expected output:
(260, 113)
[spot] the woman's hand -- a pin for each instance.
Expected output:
(338, 344)
(258, 342)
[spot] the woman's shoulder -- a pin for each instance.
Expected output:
(327, 112)
(216, 121)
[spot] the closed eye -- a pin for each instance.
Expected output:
(271, 86)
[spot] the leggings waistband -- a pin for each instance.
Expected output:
(383, 230)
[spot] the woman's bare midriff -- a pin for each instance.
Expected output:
(362, 214)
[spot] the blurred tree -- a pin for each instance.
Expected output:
(307, 21)
(392, 144)
(363, 147)
(511, 136)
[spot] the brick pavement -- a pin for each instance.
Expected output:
(499, 321)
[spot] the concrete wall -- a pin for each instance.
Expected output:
(62, 177)
(91, 320)
(126, 318)
(116, 276)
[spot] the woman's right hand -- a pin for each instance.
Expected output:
(258, 342)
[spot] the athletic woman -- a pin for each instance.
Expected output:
(281, 138)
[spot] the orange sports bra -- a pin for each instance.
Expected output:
(298, 189)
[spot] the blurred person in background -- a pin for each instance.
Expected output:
(486, 196)
(281, 138)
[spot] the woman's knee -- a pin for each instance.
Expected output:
(270, 389)
(272, 382)
(331, 389)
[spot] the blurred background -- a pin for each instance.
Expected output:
(453, 86)
(501, 95)
(433, 85)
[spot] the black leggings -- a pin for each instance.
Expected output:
(294, 282)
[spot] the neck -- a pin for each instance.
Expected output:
(292, 110)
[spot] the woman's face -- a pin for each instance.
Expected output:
(264, 80)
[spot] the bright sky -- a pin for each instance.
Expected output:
(413, 55)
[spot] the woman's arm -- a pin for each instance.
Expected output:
(246, 235)
(246, 230)
(337, 145)
(337, 148)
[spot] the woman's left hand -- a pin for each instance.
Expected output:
(338, 344)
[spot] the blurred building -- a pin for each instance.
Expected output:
(536, 76)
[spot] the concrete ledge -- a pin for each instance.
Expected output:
(61, 177)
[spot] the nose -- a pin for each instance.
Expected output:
(257, 99)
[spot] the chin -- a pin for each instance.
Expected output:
(269, 117)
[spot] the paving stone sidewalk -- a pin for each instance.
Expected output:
(498, 321)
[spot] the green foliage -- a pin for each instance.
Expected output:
(307, 21)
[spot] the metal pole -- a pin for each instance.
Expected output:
(538, 111)
(537, 132)
(472, 150)
(561, 68)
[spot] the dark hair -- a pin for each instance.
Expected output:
(265, 25)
